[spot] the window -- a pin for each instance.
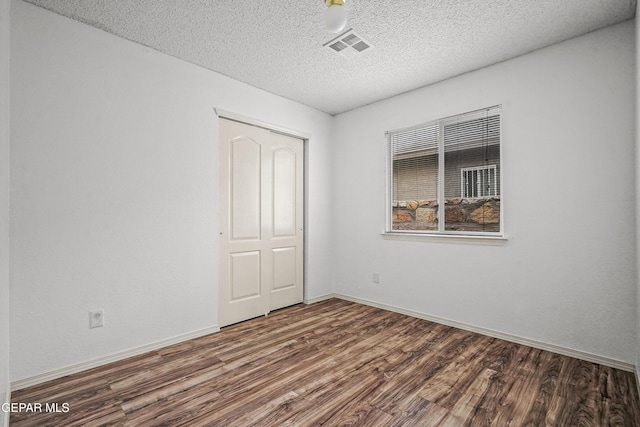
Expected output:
(479, 182)
(444, 177)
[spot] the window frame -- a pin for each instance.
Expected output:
(440, 232)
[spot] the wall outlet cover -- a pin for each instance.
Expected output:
(96, 318)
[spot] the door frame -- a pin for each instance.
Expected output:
(305, 137)
(223, 114)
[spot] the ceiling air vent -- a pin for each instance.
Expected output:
(349, 44)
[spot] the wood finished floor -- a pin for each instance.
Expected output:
(336, 363)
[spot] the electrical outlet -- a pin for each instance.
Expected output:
(376, 277)
(96, 318)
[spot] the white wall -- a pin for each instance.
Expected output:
(114, 191)
(566, 276)
(4, 203)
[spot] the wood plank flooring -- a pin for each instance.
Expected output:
(336, 363)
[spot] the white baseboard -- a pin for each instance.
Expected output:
(318, 299)
(594, 358)
(100, 361)
(58, 373)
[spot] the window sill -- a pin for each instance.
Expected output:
(447, 238)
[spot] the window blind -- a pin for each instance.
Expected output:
(444, 176)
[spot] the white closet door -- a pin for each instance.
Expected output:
(285, 237)
(261, 217)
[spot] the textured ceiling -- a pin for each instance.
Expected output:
(278, 45)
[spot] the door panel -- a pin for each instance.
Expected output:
(244, 275)
(246, 184)
(287, 239)
(242, 293)
(284, 192)
(261, 218)
(284, 268)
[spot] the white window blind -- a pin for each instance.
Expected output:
(444, 176)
